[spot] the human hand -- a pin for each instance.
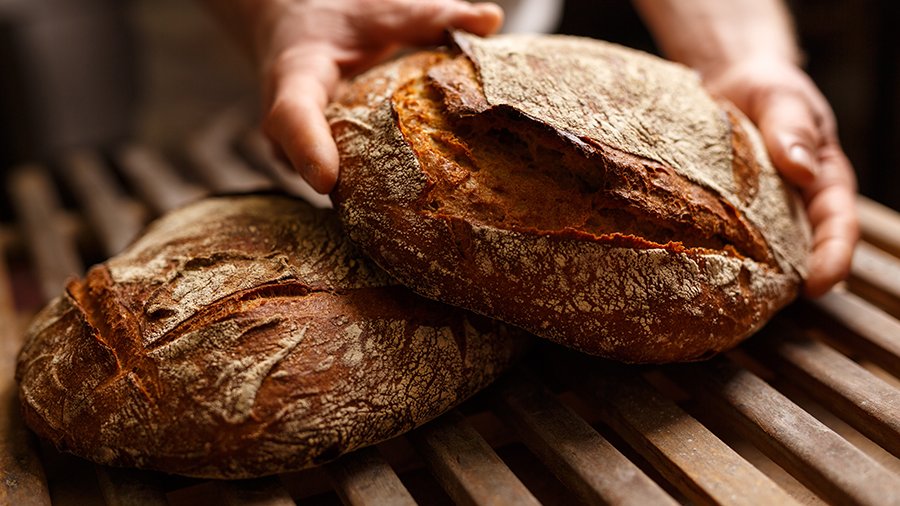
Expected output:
(304, 48)
(800, 133)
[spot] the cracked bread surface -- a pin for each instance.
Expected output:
(245, 336)
(591, 194)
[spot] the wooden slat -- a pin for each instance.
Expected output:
(865, 401)
(22, 478)
(684, 451)
(37, 209)
(364, 478)
(254, 146)
(211, 154)
(576, 453)
(154, 179)
(466, 466)
(873, 333)
(879, 224)
(875, 274)
(259, 492)
(805, 447)
(877, 267)
(115, 218)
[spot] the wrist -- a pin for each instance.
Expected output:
(722, 61)
(757, 64)
(710, 34)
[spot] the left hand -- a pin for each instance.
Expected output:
(305, 47)
(800, 133)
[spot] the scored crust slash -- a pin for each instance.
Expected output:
(244, 336)
(592, 194)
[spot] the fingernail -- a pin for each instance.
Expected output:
(801, 155)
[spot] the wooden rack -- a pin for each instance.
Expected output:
(805, 412)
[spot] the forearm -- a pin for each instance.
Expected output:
(710, 34)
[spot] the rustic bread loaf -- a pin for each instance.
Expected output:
(592, 194)
(243, 336)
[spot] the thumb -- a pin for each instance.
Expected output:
(789, 129)
(423, 22)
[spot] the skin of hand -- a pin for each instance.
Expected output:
(800, 133)
(305, 47)
(744, 49)
(746, 52)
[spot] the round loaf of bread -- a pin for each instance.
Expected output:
(244, 336)
(589, 193)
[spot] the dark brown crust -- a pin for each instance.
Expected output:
(659, 205)
(655, 268)
(242, 337)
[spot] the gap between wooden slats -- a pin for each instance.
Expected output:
(875, 274)
(124, 487)
(466, 466)
(879, 224)
(690, 456)
(872, 332)
(22, 478)
(576, 453)
(210, 152)
(255, 148)
(790, 436)
(117, 219)
(865, 401)
(266, 491)
(38, 210)
(154, 179)
(364, 478)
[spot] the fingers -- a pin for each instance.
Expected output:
(791, 133)
(299, 91)
(831, 202)
(300, 77)
(798, 128)
(423, 22)
(831, 259)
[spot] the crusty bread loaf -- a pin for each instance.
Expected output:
(243, 336)
(592, 194)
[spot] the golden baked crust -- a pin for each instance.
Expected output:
(244, 336)
(591, 194)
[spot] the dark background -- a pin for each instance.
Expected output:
(96, 72)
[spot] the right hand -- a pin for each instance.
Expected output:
(800, 133)
(305, 47)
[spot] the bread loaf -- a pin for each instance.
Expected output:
(589, 193)
(243, 336)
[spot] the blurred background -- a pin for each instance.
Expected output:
(97, 72)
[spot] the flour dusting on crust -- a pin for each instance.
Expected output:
(244, 336)
(617, 296)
